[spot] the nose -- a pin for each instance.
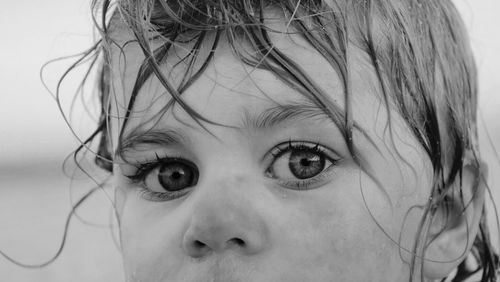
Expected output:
(225, 221)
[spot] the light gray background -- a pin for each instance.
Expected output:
(34, 193)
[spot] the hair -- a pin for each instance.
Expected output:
(418, 48)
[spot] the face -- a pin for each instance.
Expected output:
(272, 192)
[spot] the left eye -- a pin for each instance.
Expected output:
(166, 178)
(300, 164)
(172, 177)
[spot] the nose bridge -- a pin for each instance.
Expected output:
(225, 218)
(228, 179)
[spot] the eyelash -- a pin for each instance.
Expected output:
(285, 147)
(139, 177)
(143, 169)
(309, 183)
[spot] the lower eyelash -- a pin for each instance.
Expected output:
(153, 196)
(310, 183)
(307, 183)
(139, 177)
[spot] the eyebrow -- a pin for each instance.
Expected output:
(138, 137)
(283, 113)
(268, 119)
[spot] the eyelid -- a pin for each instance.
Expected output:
(143, 171)
(143, 168)
(283, 147)
(302, 184)
(151, 153)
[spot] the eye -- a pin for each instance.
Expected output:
(301, 165)
(167, 178)
(172, 176)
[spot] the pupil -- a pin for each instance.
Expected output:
(176, 176)
(305, 164)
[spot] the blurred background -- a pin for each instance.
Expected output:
(36, 195)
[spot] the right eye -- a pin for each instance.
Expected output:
(166, 178)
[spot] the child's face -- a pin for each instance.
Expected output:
(279, 199)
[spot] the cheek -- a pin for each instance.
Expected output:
(148, 237)
(331, 231)
(151, 244)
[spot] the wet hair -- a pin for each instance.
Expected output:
(418, 48)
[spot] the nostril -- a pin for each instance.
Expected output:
(237, 241)
(198, 249)
(199, 245)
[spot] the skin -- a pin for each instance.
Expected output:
(238, 223)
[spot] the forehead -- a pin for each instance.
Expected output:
(227, 80)
(228, 89)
